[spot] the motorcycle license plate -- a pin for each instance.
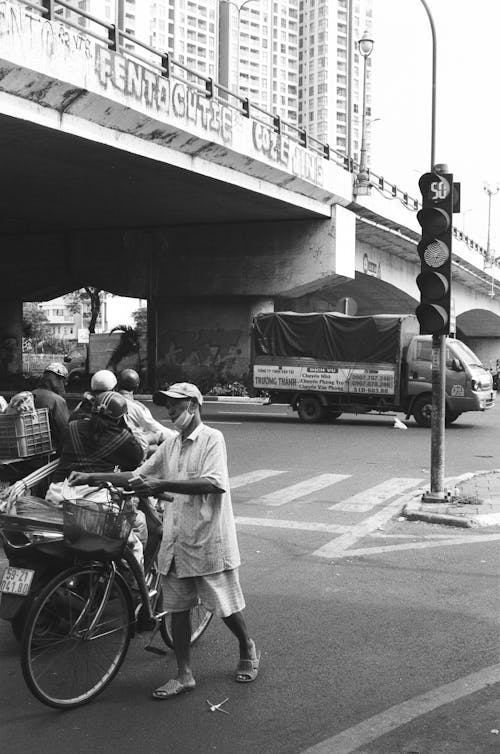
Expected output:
(16, 581)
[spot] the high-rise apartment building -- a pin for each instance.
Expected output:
(188, 30)
(329, 29)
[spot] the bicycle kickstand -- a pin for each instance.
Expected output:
(149, 646)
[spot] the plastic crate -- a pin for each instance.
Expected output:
(25, 435)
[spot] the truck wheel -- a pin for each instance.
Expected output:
(310, 409)
(422, 410)
(451, 416)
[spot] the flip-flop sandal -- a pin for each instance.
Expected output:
(171, 688)
(247, 670)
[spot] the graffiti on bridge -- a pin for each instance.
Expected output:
(205, 357)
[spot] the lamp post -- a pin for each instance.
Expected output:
(225, 42)
(491, 192)
(362, 185)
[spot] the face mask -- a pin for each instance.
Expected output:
(183, 420)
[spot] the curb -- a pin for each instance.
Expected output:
(235, 399)
(463, 515)
(219, 399)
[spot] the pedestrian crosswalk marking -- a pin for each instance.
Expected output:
(340, 546)
(301, 489)
(368, 499)
(280, 523)
(252, 476)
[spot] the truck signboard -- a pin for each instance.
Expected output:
(341, 378)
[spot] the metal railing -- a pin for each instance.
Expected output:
(163, 63)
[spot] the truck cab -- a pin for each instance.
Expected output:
(469, 386)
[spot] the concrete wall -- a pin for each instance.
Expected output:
(11, 335)
(486, 349)
(205, 341)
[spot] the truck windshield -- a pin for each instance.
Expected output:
(463, 352)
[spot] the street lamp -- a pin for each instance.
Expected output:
(362, 184)
(491, 192)
(225, 42)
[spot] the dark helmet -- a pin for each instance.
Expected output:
(128, 379)
(110, 404)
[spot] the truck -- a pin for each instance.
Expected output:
(115, 350)
(325, 364)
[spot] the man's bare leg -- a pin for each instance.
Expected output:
(181, 634)
(237, 624)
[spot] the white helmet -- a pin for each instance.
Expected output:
(104, 379)
(56, 368)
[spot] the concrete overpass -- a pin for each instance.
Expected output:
(123, 170)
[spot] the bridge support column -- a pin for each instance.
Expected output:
(11, 342)
(205, 341)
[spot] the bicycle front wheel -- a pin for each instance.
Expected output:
(75, 639)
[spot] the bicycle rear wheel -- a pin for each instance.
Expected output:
(200, 618)
(67, 661)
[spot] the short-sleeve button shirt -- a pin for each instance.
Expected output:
(198, 530)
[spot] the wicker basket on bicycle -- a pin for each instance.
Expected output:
(97, 531)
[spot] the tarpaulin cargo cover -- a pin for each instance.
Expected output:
(329, 336)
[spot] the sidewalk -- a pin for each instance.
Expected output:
(474, 501)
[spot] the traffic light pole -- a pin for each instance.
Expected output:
(437, 493)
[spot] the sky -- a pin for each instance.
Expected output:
(467, 101)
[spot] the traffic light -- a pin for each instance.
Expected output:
(434, 280)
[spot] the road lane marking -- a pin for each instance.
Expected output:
(224, 422)
(368, 499)
(445, 542)
(339, 547)
(254, 413)
(252, 476)
(375, 727)
(280, 523)
(301, 489)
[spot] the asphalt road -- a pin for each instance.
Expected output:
(377, 635)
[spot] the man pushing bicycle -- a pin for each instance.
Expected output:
(199, 555)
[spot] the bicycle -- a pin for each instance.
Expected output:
(78, 628)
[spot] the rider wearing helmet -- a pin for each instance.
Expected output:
(50, 396)
(101, 381)
(140, 417)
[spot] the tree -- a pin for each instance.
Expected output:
(84, 295)
(128, 345)
(140, 317)
(35, 325)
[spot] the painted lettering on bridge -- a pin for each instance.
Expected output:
(162, 95)
(286, 153)
(34, 31)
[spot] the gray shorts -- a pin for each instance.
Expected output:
(218, 592)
